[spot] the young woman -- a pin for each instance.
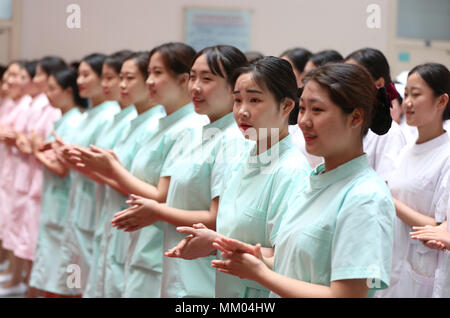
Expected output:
(76, 245)
(298, 58)
(328, 243)
(258, 187)
(201, 155)
(20, 85)
(111, 135)
(106, 274)
(111, 75)
(420, 184)
(382, 150)
(62, 93)
(168, 70)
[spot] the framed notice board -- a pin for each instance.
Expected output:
(205, 27)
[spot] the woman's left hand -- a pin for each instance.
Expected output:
(143, 212)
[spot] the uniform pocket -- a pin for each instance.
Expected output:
(254, 213)
(85, 213)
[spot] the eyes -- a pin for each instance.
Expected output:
(193, 77)
(252, 100)
(314, 109)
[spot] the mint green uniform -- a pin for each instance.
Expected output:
(76, 249)
(254, 199)
(55, 197)
(195, 181)
(113, 134)
(113, 243)
(340, 228)
(145, 253)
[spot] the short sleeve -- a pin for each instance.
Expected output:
(289, 182)
(363, 240)
(178, 152)
(441, 197)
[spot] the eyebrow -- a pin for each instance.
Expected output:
(201, 72)
(250, 91)
(312, 100)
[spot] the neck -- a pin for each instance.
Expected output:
(97, 100)
(215, 117)
(272, 140)
(171, 108)
(334, 161)
(142, 107)
(68, 107)
(429, 132)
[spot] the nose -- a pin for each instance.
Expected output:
(304, 119)
(150, 82)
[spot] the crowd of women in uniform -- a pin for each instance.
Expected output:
(176, 173)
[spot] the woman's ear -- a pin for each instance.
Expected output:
(357, 117)
(287, 105)
(443, 101)
(380, 82)
(183, 78)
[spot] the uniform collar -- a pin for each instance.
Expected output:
(124, 113)
(176, 115)
(271, 155)
(159, 109)
(431, 144)
(103, 106)
(352, 167)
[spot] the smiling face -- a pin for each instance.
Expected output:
(256, 111)
(132, 84)
(14, 81)
(110, 83)
(57, 96)
(88, 81)
(421, 107)
(163, 86)
(40, 79)
(326, 129)
(211, 94)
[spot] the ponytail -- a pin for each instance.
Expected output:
(381, 119)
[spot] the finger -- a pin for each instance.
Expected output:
(233, 244)
(225, 252)
(186, 230)
(199, 226)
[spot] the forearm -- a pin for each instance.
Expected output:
(128, 184)
(179, 217)
(411, 217)
(291, 288)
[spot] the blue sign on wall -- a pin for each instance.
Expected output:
(205, 27)
(5, 9)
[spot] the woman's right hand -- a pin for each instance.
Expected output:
(198, 243)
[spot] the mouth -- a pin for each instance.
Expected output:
(244, 127)
(197, 101)
(309, 137)
(409, 113)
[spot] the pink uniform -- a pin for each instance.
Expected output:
(15, 120)
(24, 226)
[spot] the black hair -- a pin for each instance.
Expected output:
(66, 78)
(253, 56)
(95, 61)
(177, 57)
(223, 58)
(326, 56)
(298, 56)
(374, 61)
(2, 71)
(351, 86)
(30, 67)
(274, 73)
(141, 60)
(437, 77)
(51, 64)
(116, 60)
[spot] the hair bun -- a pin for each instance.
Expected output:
(381, 120)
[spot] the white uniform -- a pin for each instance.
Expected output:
(299, 141)
(420, 182)
(382, 151)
